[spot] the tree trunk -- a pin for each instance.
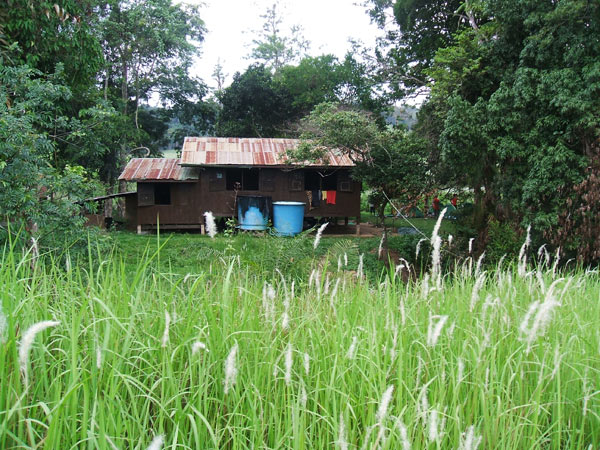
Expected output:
(124, 92)
(108, 210)
(137, 94)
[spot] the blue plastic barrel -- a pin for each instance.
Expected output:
(288, 217)
(252, 219)
(253, 212)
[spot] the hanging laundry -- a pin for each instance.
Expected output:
(309, 198)
(331, 197)
(316, 198)
(324, 195)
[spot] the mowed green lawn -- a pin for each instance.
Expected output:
(194, 343)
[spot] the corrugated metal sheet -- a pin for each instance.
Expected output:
(209, 151)
(157, 169)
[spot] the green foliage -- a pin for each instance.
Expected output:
(149, 48)
(115, 54)
(513, 111)
(253, 106)
(420, 28)
(391, 161)
(312, 81)
(42, 34)
(503, 240)
(273, 49)
(230, 227)
(37, 193)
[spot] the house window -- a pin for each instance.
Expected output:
(312, 181)
(320, 181)
(344, 182)
(162, 194)
(242, 179)
(296, 180)
(329, 182)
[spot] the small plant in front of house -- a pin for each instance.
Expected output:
(230, 227)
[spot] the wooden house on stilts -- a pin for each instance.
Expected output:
(213, 172)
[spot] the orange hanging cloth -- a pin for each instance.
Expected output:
(331, 197)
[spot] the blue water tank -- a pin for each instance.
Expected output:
(253, 212)
(288, 217)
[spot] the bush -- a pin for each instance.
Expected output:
(502, 239)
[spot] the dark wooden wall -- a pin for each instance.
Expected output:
(131, 212)
(189, 200)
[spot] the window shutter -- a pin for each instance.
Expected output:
(216, 180)
(344, 182)
(145, 194)
(296, 179)
(267, 180)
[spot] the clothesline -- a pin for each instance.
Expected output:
(316, 196)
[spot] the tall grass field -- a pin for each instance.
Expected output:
(98, 353)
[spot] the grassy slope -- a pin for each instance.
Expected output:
(190, 253)
(107, 376)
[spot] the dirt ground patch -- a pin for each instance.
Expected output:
(366, 230)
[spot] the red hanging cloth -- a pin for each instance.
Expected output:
(331, 197)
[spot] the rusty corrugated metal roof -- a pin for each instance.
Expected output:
(212, 151)
(157, 169)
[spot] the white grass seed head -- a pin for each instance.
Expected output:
(351, 353)
(231, 369)
(319, 234)
(469, 440)
(211, 226)
(359, 270)
(165, 336)
(434, 330)
(285, 321)
(402, 430)
(27, 342)
(479, 263)
(384, 404)
(306, 363)
(342, 438)
(157, 443)
(197, 346)
(433, 426)
(380, 249)
(3, 325)
(418, 249)
(288, 361)
(98, 357)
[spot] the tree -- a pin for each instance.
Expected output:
(35, 192)
(43, 34)
(253, 106)
(259, 103)
(390, 161)
(219, 75)
(149, 48)
(314, 80)
(415, 30)
(148, 45)
(274, 49)
(516, 109)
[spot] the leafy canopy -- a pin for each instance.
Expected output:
(388, 160)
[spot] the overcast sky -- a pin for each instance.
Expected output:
(327, 24)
